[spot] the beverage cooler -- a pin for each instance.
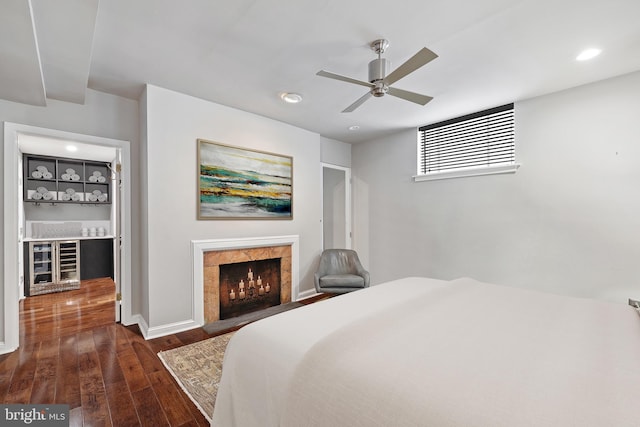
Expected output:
(53, 266)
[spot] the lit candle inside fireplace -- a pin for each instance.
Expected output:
(267, 288)
(241, 293)
(232, 295)
(241, 285)
(261, 290)
(250, 275)
(259, 281)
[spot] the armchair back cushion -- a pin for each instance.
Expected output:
(340, 271)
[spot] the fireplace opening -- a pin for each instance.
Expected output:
(249, 286)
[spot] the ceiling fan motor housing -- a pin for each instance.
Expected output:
(378, 69)
(377, 72)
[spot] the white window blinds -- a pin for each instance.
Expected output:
(475, 142)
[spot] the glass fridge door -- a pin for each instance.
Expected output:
(69, 268)
(42, 257)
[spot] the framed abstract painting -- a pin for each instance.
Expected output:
(237, 183)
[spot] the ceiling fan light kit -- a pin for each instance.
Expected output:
(379, 83)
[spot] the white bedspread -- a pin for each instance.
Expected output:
(422, 352)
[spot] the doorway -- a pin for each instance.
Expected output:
(336, 207)
(14, 230)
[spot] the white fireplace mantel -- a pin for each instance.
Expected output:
(199, 247)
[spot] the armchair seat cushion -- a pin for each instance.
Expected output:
(342, 281)
(340, 271)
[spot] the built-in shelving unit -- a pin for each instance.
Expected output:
(59, 180)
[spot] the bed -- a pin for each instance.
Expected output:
(426, 352)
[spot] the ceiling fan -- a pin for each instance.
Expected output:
(379, 83)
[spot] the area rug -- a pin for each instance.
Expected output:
(197, 368)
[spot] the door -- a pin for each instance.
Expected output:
(336, 207)
(21, 233)
(117, 232)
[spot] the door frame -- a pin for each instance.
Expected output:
(12, 237)
(347, 202)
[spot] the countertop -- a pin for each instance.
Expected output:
(58, 239)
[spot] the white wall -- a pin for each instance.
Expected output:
(568, 222)
(101, 115)
(173, 124)
(335, 152)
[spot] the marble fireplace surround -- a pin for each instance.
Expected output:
(207, 255)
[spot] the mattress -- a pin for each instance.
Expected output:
(420, 351)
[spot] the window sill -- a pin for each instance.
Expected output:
(492, 170)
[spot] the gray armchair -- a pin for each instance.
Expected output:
(340, 271)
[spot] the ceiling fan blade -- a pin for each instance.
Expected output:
(343, 78)
(421, 58)
(358, 103)
(409, 96)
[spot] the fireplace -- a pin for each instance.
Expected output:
(208, 255)
(249, 286)
(217, 293)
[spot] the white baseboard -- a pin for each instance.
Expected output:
(4, 349)
(160, 331)
(307, 294)
(185, 325)
(142, 324)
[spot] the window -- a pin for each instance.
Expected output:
(476, 144)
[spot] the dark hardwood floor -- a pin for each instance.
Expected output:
(72, 352)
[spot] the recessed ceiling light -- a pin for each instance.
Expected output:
(71, 148)
(290, 97)
(354, 127)
(588, 54)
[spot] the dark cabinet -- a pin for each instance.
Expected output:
(97, 258)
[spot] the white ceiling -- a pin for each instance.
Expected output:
(244, 53)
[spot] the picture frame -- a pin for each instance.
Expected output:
(241, 183)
